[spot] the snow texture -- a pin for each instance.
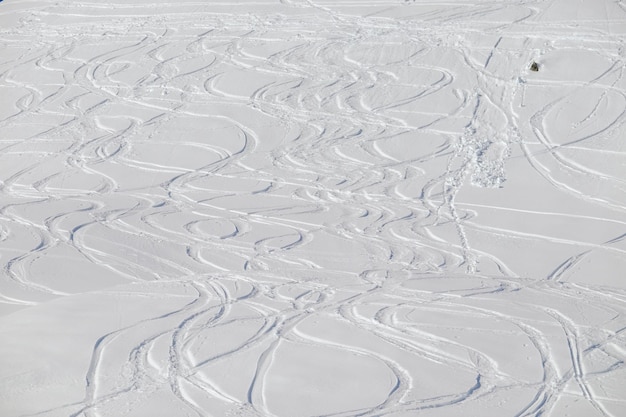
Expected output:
(297, 208)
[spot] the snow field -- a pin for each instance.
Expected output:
(312, 208)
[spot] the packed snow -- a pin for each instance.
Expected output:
(294, 208)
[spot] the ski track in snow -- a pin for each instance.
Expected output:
(312, 208)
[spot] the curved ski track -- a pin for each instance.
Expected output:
(339, 208)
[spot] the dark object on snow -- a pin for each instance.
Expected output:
(534, 66)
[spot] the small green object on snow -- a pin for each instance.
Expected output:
(534, 66)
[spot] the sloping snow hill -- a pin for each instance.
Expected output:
(298, 208)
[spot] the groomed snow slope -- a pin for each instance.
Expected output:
(302, 208)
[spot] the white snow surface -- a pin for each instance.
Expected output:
(300, 208)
